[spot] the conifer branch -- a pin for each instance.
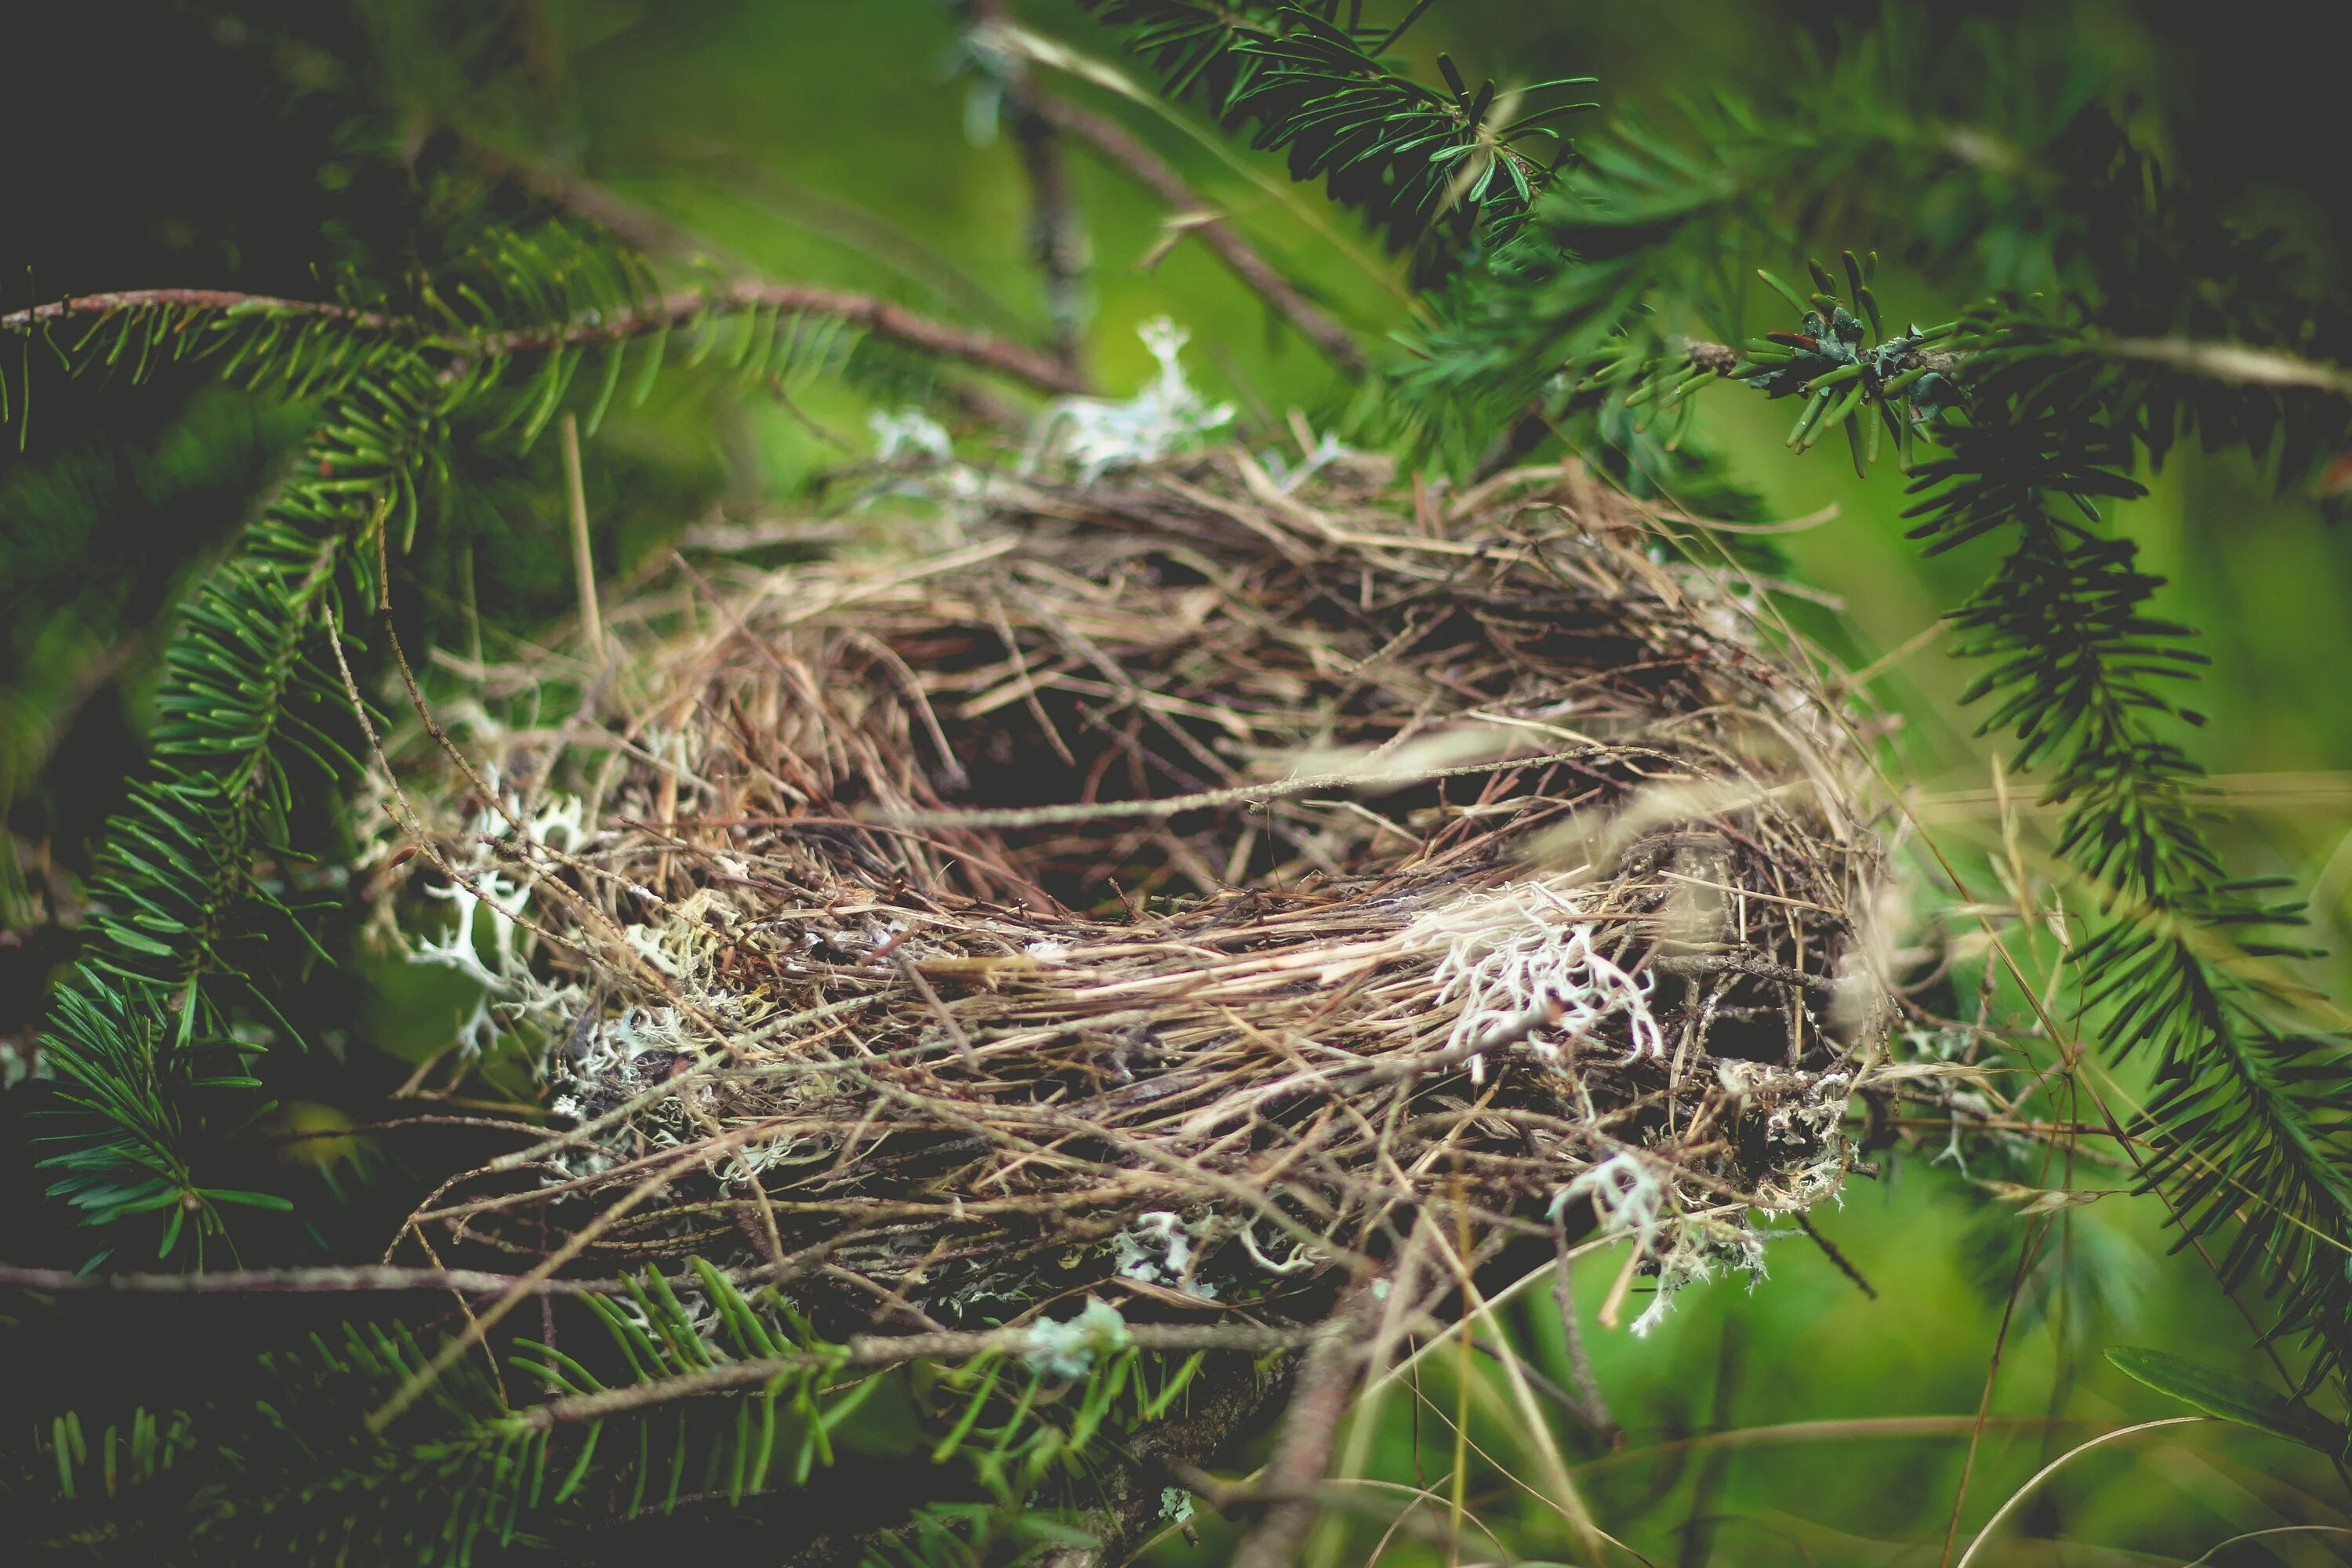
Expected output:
(226, 301)
(873, 1350)
(2026, 425)
(881, 317)
(298, 1283)
(1425, 166)
(599, 329)
(144, 1031)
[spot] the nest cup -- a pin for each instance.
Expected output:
(1180, 887)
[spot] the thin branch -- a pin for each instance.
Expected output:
(875, 1350)
(1701, 964)
(1155, 174)
(638, 227)
(81, 305)
(1310, 1427)
(881, 317)
(643, 229)
(2240, 365)
(1058, 240)
(298, 1281)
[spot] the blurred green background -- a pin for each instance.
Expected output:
(831, 141)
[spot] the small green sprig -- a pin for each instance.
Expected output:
(1897, 385)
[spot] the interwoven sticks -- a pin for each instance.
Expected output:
(1166, 889)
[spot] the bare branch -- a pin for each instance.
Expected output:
(298, 1281)
(1310, 1429)
(1058, 240)
(1155, 174)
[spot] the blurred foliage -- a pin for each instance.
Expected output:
(285, 149)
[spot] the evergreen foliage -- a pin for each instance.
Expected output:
(2025, 415)
(707, 1392)
(1428, 169)
(157, 1030)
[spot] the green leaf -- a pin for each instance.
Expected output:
(2228, 1396)
(250, 1200)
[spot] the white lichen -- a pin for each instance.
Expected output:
(1095, 434)
(489, 892)
(20, 1062)
(909, 430)
(1328, 449)
(1068, 1351)
(1507, 952)
(1158, 1249)
(1626, 1195)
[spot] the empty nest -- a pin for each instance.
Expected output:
(1176, 886)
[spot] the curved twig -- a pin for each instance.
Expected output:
(879, 317)
(1156, 175)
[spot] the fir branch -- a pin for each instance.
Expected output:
(881, 317)
(2179, 327)
(171, 315)
(297, 1282)
(145, 1034)
(2248, 1123)
(720, 1395)
(873, 1350)
(155, 1034)
(1651, 235)
(1427, 168)
(99, 307)
(2037, 424)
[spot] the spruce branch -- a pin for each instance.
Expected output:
(2027, 421)
(881, 317)
(592, 329)
(226, 301)
(866, 1352)
(1427, 167)
(733, 1398)
(143, 1030)
(295, 1281)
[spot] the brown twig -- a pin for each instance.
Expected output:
(869, 1350)
(1057, 240)
(1204, 223)
(1586, 1401)
(299, 1281)
(1310, 1426)
(881, 317)
(109, 304)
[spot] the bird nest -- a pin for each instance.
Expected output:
(1176, 885)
